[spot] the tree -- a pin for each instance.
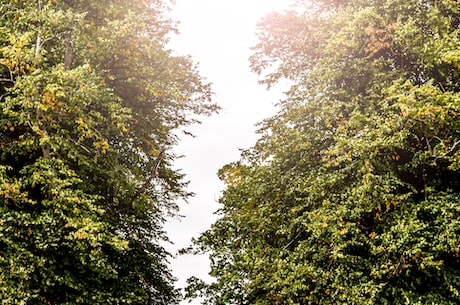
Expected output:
(351, 194)
(90, 101)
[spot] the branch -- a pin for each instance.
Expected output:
(39, 36)
(7, 80)
(153, 175)
(451, 149)
(69, 52)
(38, 44)
(292, 241)
(85, 148)
(4, 95)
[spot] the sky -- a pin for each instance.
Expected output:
(218, 35)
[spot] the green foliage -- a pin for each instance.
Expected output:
(351, 195)
(90, 99)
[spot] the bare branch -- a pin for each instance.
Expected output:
(81, 145)
(39, 36)
(10, 74)
(451, 149)
(69, 51)
(153, 175)
(3, 96)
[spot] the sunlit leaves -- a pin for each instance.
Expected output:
(90, 97)
(350, 194)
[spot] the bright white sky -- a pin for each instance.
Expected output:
(218, 35)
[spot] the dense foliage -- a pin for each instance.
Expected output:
(90, 97)
(352, 193)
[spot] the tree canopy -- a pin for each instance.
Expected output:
(91, 100)
(352, 193)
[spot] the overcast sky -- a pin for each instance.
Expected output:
(218, 35)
